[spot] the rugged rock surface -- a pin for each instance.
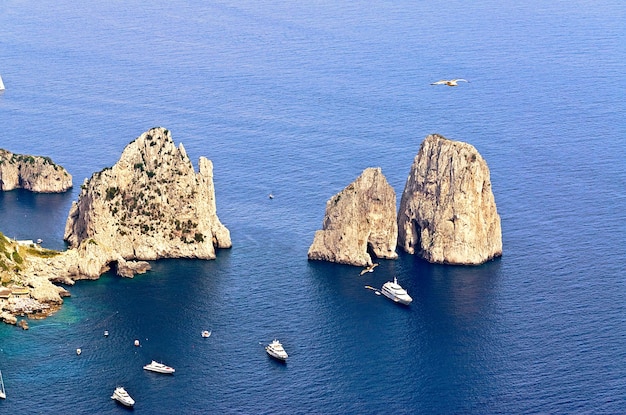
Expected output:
(128, 269)
(447, 211)
(361, 216)
(151, 204)
(34, 173)
(41, 296)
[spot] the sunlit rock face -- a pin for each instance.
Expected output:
(360, 218)
(447, 211)
(35, 173)
(151, 204)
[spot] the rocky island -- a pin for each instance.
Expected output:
(448, 211)
(358, 220)
(34, 173)
(151, 204)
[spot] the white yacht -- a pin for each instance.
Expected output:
(3, 393)
(276, 350)
(393, 291)
(159, 367)
(122, 396)
(206, 333)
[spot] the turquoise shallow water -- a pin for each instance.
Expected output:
(296, 100)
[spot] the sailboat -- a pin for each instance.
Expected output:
(3, 394)
(1, 84)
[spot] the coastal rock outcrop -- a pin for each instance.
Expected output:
(358, 220)
(22, 291)
(34, 173)
(151, 204)
(447, 211)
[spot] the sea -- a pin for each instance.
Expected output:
(296, 99)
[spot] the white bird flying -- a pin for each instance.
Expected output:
(369, 269)
(451, 82)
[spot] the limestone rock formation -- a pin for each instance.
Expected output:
(447, 211)
(34, 173)
(22, 291)
(151, 204)
(361, 216)
(128, 269)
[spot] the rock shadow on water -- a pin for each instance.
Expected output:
(461, 293)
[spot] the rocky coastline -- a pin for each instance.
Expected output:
(35, 173)
(153, 204)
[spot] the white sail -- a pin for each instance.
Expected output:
(1, 84)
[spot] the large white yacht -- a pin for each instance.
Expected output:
(276, 350)
(122, 396)
(393, 291)
(3, 393)
(159, 367)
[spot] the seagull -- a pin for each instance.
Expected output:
(369, 269)
(451, 82)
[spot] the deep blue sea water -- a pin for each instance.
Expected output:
(297, 99)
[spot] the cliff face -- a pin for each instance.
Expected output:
(34, 173)
(151, 204)
(37, 294)
(447, 210)
(361, 216)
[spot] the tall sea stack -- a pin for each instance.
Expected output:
(151, 204)
(360, 218)
(447, 211)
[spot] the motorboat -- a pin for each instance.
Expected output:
(206, 333)
(78, 351)
(122, 397)
(3, 393)
(159, 367)
(393, 291)
(276, 350)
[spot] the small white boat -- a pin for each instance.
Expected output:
(106, 333)
(137, 343)
(159, 367)
(1, 84)
(276, 350)
(395, 292)
(78, 351)
(206, 334)
(122, 396)
(3, 393)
